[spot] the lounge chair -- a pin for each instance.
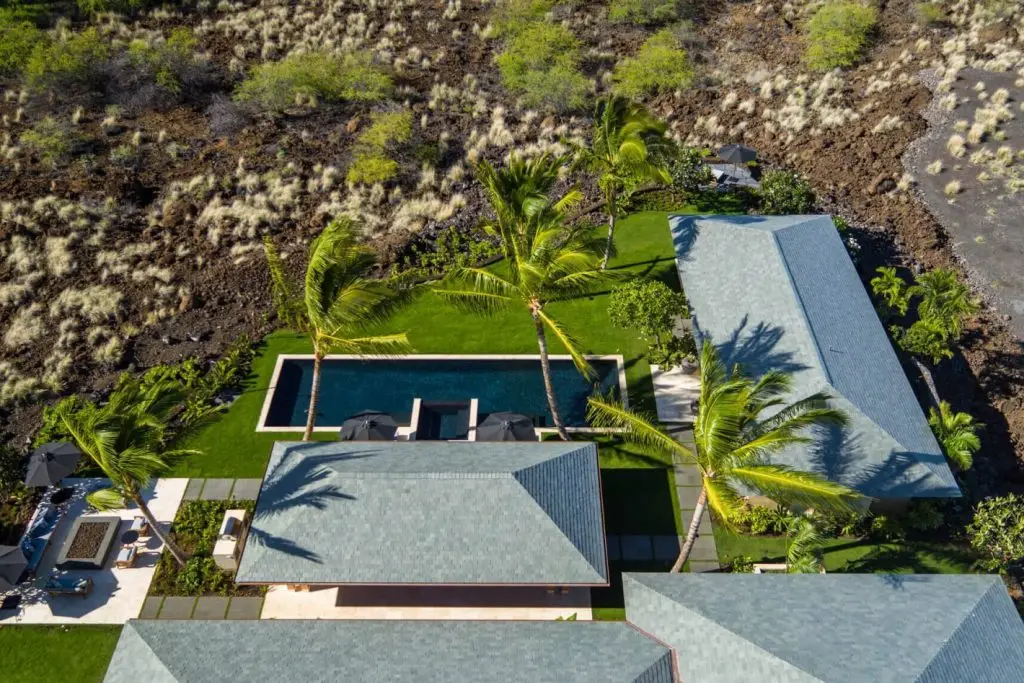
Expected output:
(68, 585)
(126, 557)
(141, 525)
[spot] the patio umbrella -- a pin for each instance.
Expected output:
(736, 155)
(51, 462)
(12, 564)
(506, 427)
(369, 426)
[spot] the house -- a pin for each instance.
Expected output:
(422, 513)
(780, 293)
(835, 628)
(386, 651)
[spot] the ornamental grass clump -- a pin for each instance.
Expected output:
(371, 163)
(838, 33)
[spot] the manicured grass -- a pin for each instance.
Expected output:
(232, 448)
(43, 654)
(853, 555)
(609, 614)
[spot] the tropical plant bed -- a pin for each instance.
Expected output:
(15, 513)
(195, 530)
(853, 554)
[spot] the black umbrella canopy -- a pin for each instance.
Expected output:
(370, 425)
(736, 154)
(506, 427)
(12, 564)
(51, 462)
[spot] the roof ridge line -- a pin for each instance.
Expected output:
(800, 301)
(974, 606)
(149, 647)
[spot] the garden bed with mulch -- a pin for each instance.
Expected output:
(195, 530)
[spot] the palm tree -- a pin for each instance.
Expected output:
(545, 261)
(803, 546)
(957, 432)
(620, 154)
(734, 438)
(126, 439)
(944, 299)
(336, 302)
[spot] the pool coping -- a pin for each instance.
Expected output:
(620, 363)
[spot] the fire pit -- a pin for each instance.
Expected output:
(88, 543)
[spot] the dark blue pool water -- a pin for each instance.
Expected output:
(351, 386)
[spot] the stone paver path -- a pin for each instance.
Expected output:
(246, 489)
(217, 489)
(207, 607)
(151, 607)
(245, 608)
(213, 607)
(192, 489)
(177, 608)
(704, 555)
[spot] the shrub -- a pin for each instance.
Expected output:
(17, 40)
(892, 290)
(688, 171)
(759, 520)
(660, 65)
(923, 338)
(997, 531)
(513, 16)
(925, 515)
(200, 576)
(673, 352)
(888, 529)
(838, 523)
(541, 63)
(52, 141)
(75, 60)
(648, 306)
(743, 564)
(314, 76)
(784, 192)
(371, 163)
(12, 471)
(645, 12)
(929, 13)
(838, 33)
(94, 7)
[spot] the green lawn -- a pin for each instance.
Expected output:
(44, 654)
(861, 556)
(231, 446)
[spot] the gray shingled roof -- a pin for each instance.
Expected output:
(840, 628)
(387, 652)
(425, 512)
(780, 292)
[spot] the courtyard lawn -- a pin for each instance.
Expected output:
(231, 446)
(862, 556)
(43, 654)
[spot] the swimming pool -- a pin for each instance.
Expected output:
(351, 384)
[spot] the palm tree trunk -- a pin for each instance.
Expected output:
(179, 555)
(314, 398)
(691, 533)
(611, 233)
(549, 388)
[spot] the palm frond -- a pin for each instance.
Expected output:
(106, 499)
(380, 345)
(782, 483)
(287, 303)
(570, 343)
(724, 501)
(638, 428)
(472, 301)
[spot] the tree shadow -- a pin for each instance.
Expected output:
(297, 484)
(754, 349)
